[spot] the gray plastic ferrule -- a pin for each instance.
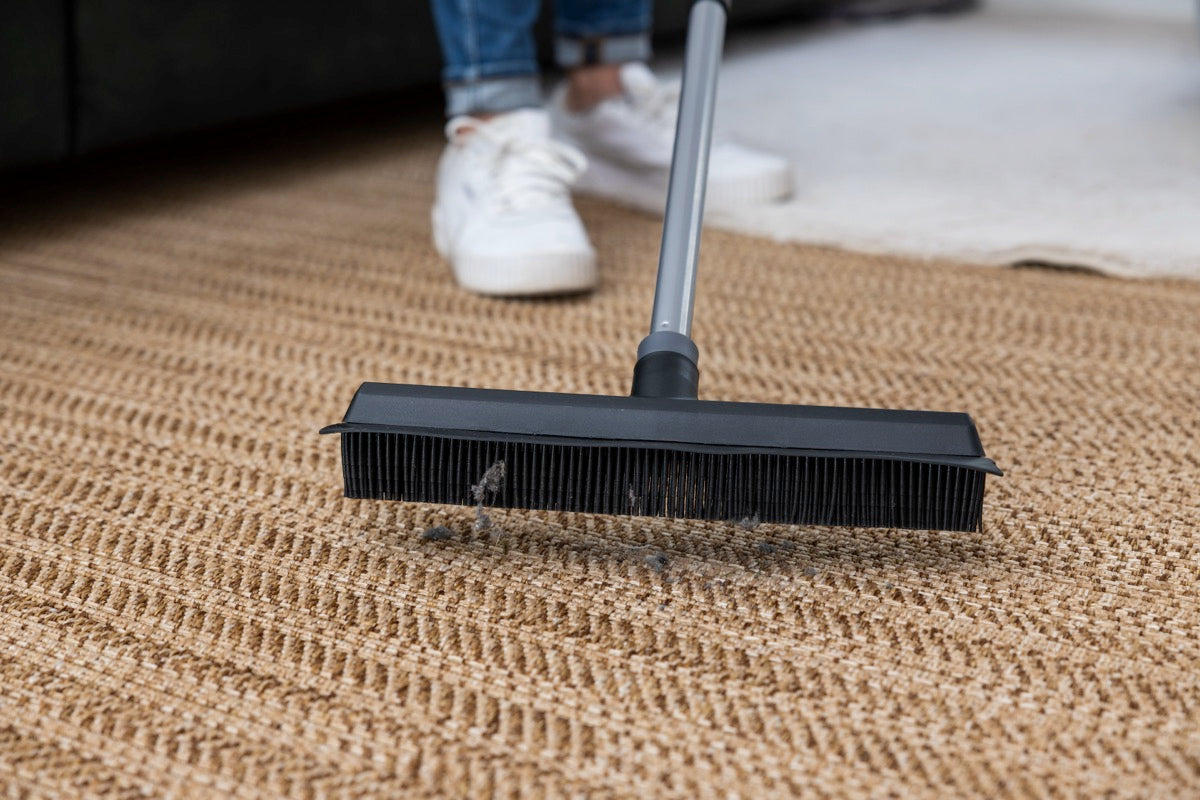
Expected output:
(669, 341)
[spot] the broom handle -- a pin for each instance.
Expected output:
(675, 292)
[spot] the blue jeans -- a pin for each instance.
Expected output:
(491, 59)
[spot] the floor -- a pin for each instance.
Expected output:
(188, 607)
(1053, 131)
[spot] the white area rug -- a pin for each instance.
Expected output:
(1062, 131)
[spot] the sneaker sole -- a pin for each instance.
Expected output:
(528, 275)
(635, 189)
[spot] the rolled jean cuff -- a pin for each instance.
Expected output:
(493, 95)
(577, 51)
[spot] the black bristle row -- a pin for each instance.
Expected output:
(619, 479)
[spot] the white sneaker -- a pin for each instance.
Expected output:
(503, 215)
(628, 142)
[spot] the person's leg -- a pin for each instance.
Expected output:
(590, 32)
(489, 55)
(613, 109)
(593, 38)
(503, 216)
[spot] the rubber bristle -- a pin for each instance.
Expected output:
(649, 481)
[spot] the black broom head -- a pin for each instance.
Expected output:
(694, 459)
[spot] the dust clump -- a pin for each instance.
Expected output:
(438, 533)
(810, 571)
(491, 482)
(766, 548)
(749, 523)
(657, 562)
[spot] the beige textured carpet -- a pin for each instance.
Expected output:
(189, 608)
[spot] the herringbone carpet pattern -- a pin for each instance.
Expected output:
(189, 608)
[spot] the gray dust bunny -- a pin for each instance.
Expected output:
(491, 482)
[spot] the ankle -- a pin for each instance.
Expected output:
(589, 86)
(468, 122)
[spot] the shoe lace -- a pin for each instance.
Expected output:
(528, 172)
(658, 104)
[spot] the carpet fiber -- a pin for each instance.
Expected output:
(188, 607)
(1061, 131)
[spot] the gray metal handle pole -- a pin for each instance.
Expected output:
(676, 290)
(667, 357)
